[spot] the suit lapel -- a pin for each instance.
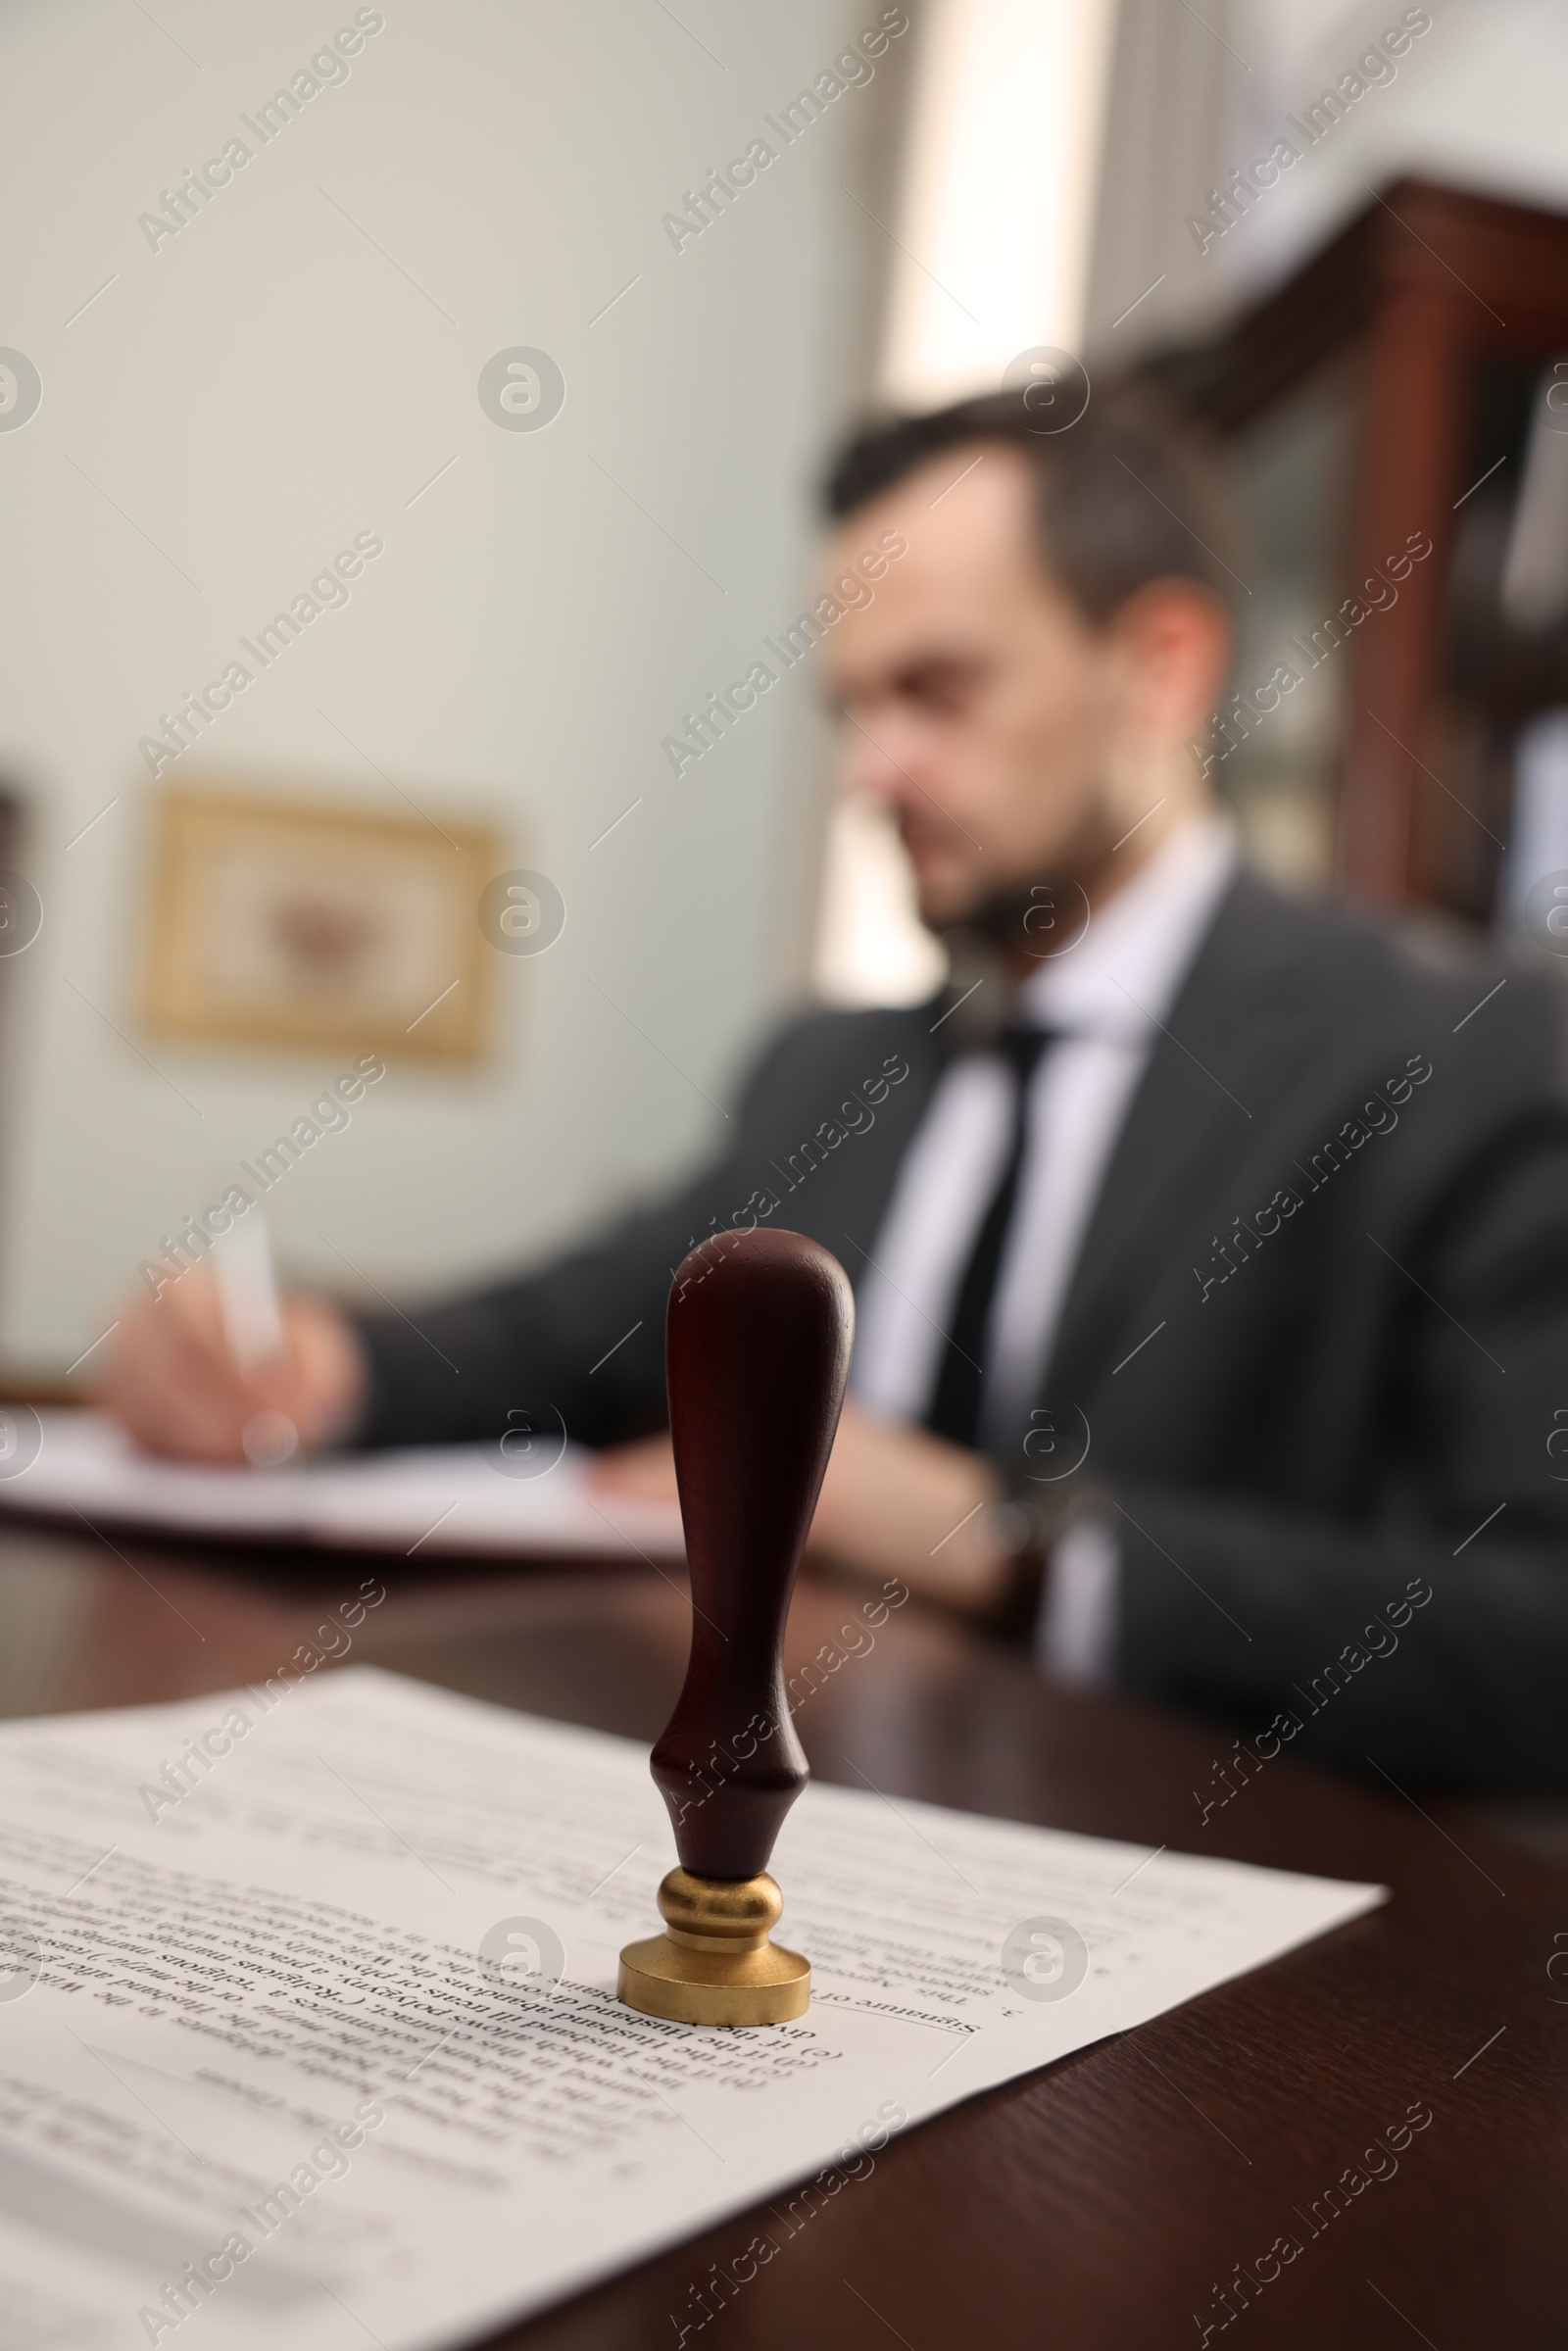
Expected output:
(1198, 1108)
(929, 1036)
(852, 1207)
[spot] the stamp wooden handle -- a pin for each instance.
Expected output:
(757, 1349)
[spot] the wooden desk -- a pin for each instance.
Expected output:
(1099, 2202)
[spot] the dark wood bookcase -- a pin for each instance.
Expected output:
(1385, 391)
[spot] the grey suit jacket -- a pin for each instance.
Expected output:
(1338, 1215)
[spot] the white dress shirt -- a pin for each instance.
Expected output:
(1106, 998)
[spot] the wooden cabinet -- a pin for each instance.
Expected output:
(1383, 398)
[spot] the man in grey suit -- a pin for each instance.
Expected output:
(1210, 1249)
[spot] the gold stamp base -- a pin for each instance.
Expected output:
(714, 1965)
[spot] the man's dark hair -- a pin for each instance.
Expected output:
(1127, 495)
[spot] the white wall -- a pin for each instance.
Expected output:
(271, 382)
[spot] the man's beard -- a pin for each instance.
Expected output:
(1028, 921)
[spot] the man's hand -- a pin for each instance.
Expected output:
(174, 1384)
(895, 1500)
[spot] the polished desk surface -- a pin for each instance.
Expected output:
(1097, 2203)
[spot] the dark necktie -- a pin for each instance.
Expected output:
(955, 1409)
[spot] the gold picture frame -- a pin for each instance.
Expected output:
(319, 926)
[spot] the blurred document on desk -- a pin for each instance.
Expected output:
(526, 1492)
(308, 2010)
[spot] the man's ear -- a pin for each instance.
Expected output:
(1176, 642)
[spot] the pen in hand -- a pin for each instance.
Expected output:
(253, 1330)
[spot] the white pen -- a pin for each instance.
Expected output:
(253, 1328)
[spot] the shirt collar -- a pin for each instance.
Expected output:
(1123, 976)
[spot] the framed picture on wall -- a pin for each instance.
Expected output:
(297, 923)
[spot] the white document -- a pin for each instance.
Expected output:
(331, 2043)
(524, 1493)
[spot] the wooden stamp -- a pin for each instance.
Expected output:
(756, 1346)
